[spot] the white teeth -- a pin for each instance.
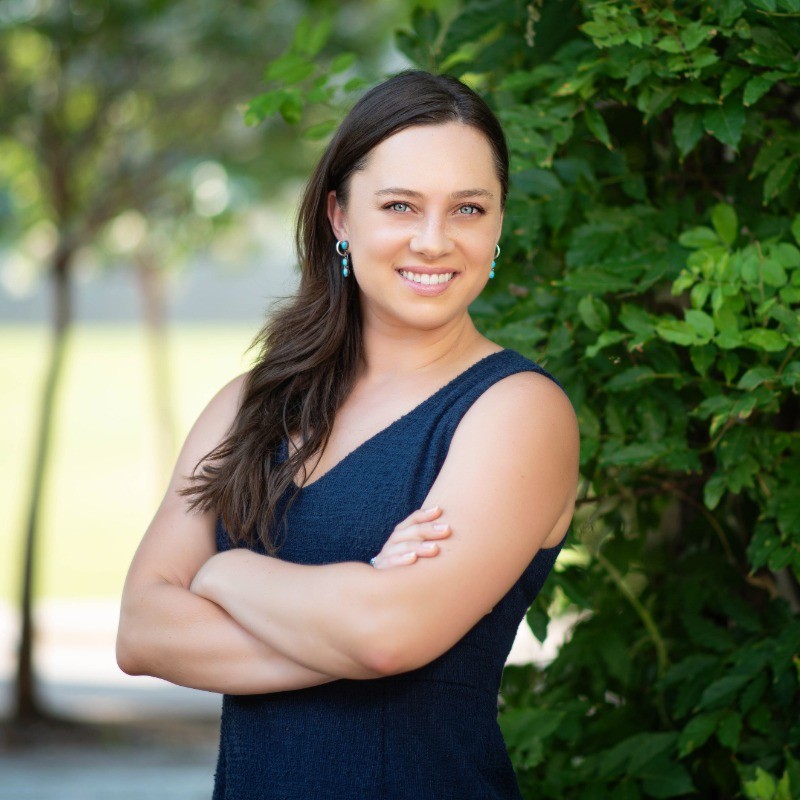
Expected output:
(425, 278)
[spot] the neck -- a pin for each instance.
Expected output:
(396, 351)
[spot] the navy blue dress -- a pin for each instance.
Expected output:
(429, 734)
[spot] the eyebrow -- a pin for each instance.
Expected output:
(397, 190)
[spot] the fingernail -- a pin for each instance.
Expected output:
(409, 556)
(431, 509)
(428, 546)
(440, 526)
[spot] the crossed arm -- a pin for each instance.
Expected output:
(507, 488)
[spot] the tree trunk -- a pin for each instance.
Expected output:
(151, 285)
(28, 706)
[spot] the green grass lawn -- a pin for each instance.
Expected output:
(106, 475)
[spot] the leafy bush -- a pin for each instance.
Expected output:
(651, 261)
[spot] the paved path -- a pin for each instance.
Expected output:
(103, 773)
(80, 680)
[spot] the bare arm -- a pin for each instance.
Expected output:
(169, 632)
(507, 489)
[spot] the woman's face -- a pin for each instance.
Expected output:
(422, 219)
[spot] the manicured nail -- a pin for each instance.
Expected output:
(408, 556)
(431, 509)
(428, 546)
(440, 526)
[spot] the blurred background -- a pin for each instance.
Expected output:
(145, 229)
(151, 156)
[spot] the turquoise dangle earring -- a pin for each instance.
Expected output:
(494, 260)
(341, 249)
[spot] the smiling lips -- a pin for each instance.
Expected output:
(427, 278)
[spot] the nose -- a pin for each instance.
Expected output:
(431, 238)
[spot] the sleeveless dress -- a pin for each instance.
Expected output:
(429, 734)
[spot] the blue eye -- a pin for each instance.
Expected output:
(468, 210)
(399, 206)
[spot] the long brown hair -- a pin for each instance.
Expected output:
(311, 349)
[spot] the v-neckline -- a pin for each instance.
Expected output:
(389, 427)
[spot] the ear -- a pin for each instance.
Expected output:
(337, 217)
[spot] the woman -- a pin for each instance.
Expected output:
(378, 429)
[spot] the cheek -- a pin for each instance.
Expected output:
(375, 234)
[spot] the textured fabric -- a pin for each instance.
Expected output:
(430, 734)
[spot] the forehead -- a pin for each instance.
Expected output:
(447, 157)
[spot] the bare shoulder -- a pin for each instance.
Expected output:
(524, 406)
(520, 441)
(209, 430)
(179, 540)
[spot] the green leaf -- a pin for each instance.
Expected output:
(637, 73)
(288, 69)
(788, 510)
(626, 790)
(701, 323)
(715, 488)
(756, 88)
(676, 331)
(636, 320)
(796, 228)
(726, 122)
(725, 222)
(320, 130)
(687, 130)
(699, 294)
(732, 79)
(663, 778)
(264, 105)
(786, 254)
(670, 44)
(517, 724)
(762, 788)
(756, 376)
(292, 108)
(702, 358)
(355, 83)
(596, 124)
(694, 34)
(426, 23)
(595, 279)
(342, 62)
(766, 339)
(310, 38)
(594, 313)
(538, 620)
(410, 45)
(729, 10)
(605, 339)
(631, 378)
(697, 732)
(723, 690)
(729, 731)
(633, 454)
(780, 177)
(699, 237)
(773, 273)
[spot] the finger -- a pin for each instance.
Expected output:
(387, 562)
(405, 553)
(427, 549)
(393, 549)
(421, 515)
(421, 531)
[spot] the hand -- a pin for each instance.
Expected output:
(412, 539)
